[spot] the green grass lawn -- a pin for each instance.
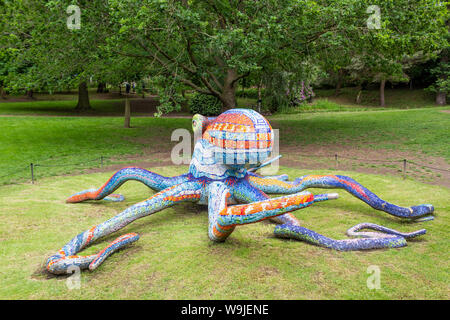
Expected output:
(415, 130)
(61, 107)
(400, 98)
(100, 107)
(174, 258)
(325, 101)
(62, 143)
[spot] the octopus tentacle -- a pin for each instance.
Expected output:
(218, 194)
(224, 218)
(66, 257)
(281, 177)
(342, 182)
(246, 193)
(386, 238)
(152, 180)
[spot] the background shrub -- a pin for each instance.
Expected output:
(205, 105)
(251, 93)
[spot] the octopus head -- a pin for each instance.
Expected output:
(239, 136)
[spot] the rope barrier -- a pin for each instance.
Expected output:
(32, 167)
(423, 165)
(334, 157)
(372, 160)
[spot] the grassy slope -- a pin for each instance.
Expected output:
(415, 130)
(175, 260)
(72, 140)
(395, 98)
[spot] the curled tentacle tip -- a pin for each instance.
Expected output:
(53, 266)
(416, 233)
(72, 199)
(82, 196)
(114, 246)
(421, 210)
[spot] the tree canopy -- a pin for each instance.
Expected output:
(210, 45)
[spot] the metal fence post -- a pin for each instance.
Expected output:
(336, 160)
(101, 161)
(404, 168)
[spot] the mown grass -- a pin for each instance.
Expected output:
(61, 108)
(326, 101)
(399, 98)
(415, 130)
(321, 105)
(174, 258)
(100, 107)
(64, 143)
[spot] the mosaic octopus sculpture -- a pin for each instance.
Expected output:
(221, 176)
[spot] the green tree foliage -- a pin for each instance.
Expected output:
(206, 105)
(407, 30)
(51, 55)
(442, 74)
(210, 45)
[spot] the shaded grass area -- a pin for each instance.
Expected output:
(100, 107)
(174, 258)
(61, 107)
(323, 105)
(326, 101)
(400, 98)
(63, 144)
(112, 104)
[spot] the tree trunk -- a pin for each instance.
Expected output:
(244, 86)
(83, 98)
(259, 96)
(101, 87)
(228, 96)
(441, 98)
(359, 94)
(339, 83)
(127, 113)
(2, 92)
(185, 102)
(29, 94)
(382, 85)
